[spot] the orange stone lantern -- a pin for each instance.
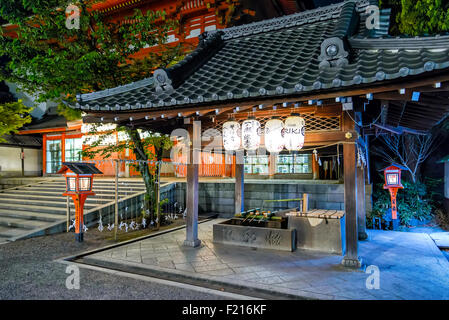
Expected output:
(79, 177)
(393, 183)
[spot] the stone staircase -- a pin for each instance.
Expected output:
(39, 208)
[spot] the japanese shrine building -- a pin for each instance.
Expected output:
(323, 63)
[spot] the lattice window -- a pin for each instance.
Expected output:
(313, 123)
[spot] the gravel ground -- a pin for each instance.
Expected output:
(27, 271)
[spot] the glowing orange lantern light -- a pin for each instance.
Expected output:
(393, 183)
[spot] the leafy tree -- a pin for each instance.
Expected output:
(57, 63)
(418, 17)
(146, 147)
(13, 116)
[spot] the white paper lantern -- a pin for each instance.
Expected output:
(294, 132)
(274, 135)
(231, 135)
(251, 134)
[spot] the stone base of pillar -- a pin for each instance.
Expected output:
(194, 243)
(363, 235)
(352, 263)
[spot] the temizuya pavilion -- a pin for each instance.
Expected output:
(348, 81)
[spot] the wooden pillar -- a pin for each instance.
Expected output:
(272, 164)
(305, 202)
(361, 208)
(239, 192)
(351, 258)
(192, 184)
(315, 168)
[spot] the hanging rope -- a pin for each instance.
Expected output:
(328, 145)
(367, 125)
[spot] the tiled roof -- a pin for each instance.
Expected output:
(46, 122)
(312, 51)
(79, 168)
(22, 141)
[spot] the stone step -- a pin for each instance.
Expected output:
(42, 203)
(21, 223)
(32, 208)
(39, 209)
(3, 240)
(441, 239)
(96, 190)
(40, 216)
(12, 195)
(100, 186)
(104, 195)
(8, 232)
(96, 182)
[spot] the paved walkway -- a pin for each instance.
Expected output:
(410, 264)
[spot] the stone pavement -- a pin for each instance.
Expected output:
(410, 264)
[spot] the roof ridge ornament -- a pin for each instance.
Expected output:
(310, 16)
(162, 81)
(165, 80)
(333, 53)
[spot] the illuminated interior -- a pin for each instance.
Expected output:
(71, 184)
(392, 178)
(85, 184)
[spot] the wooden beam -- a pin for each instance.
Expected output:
(351, 258)
(425, 99)
(385, 86)
(431, 88)
(331, 110)
(317, 138)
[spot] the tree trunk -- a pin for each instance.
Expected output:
(143, 168)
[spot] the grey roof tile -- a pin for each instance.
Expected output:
(281, 56)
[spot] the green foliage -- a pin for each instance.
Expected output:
(150, 148)
(58, 63)
(152, 145)
(434, 188)
(163, 215)
(413, 202)
(69, 113)
(13, 116)
(418, 17)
